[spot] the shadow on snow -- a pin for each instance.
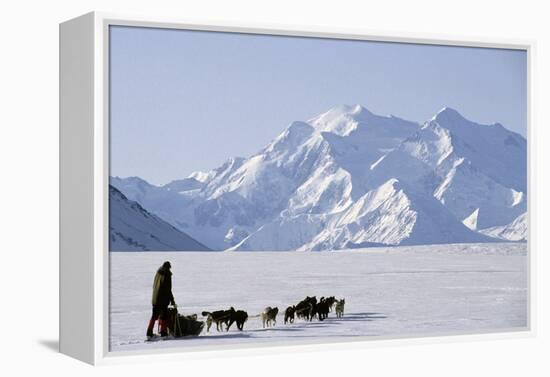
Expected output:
(298, 326)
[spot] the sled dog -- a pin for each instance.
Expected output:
(289, 314)
(322, 309)
(305, 309)
(268, 316)
(219, 317)
(340, 308)
(239, 317)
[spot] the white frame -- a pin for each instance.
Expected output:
(84, 116)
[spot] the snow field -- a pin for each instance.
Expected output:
(399, 291)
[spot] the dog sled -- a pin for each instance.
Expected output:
(183, 325)
(179, 326)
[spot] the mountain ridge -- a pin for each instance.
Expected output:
(313, 172)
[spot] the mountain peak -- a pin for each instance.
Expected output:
(342, 119)
(201, 176)
(359, 109)
(451, 119)
(350, 110)
(448, 113)
(447, 109)
(134, 180)
(344, 110)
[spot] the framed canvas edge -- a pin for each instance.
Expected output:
(103, 355)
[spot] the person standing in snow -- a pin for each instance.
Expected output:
(162, 297)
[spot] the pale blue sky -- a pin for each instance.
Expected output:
(186, 100)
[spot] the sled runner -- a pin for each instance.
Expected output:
(158, 338)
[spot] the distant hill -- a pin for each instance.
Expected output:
(132, 228)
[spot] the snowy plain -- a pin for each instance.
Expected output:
(389, 291)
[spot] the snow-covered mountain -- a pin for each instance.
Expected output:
(392, 214)
(132, 228)
(350, 178)
(515, 231)
(477, 171)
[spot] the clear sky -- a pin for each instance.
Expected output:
(183, 101)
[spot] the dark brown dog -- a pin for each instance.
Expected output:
(322, 309)
(289, 314)
(306, 308)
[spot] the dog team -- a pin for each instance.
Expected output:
(162, 298)
(307, 309)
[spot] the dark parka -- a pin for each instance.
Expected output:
(162, 287)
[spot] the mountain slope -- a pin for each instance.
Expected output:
(515, 231)
(467, 166)
(496, 152)
(392, 214)
(132, 228)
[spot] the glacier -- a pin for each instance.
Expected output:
(349, 178)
